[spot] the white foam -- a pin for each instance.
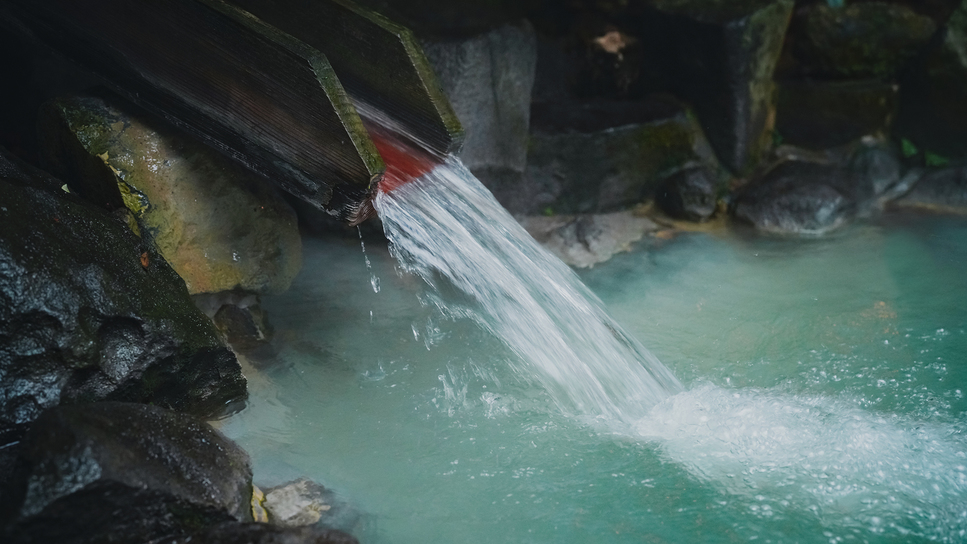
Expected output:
(886, 474)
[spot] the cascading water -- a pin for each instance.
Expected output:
(449, 230)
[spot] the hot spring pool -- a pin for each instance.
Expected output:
(824, 399)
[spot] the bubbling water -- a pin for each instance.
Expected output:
(446, 228)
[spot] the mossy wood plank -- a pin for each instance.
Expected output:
(381, 64)
(250, 90)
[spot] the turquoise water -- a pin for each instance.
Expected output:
(823, 398)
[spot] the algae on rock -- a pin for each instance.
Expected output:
(218, 225)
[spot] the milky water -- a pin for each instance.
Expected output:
(822, 402)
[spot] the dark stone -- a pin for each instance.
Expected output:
(940, 190)
(860, 40)
(75, 448)
(261, 533)
(877, 169)
(720, 57)
(589, 157)
(88, 312)
(689, 194)
(114, 513)
(488, 79)
(446, 18)
(824, 114)
(13, 170)
(245, 327)
(797, 198)
(933, 112)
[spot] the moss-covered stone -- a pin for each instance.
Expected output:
(824, 114)
(860, 40)
(219, 226)
(600, 157)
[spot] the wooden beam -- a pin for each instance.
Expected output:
(254, 92)
(380, 63)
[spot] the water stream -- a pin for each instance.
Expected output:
(473, 399)
(447, 229)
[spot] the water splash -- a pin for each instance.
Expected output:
(879, 474)
(446, 228)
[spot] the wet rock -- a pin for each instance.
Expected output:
(941, 190)
(876, 167)
(261, 533)
(797, 198)
(590, 157)
(239, 317)
(219, 226)
(13, 170)
(824, 114)
(111, 452)
(585, 240)
(689, 194)
(298, 503)
(110, 512)
(933, 112)
(860, 40)
(720, 57)
(88, 312)
(488, 79)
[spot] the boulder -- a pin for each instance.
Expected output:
(797, 198)
(89, 312)
(115, 513)
(261, 533)
(488, 79)
(824, 114)
(239, 317)
(583, 241)
(218, 225)
(941, 190)
(690, 194)
(604, 156)
(83, 465)
(298, 503)
(933, 112)
(720, 57)
(303, 502)
(858, 41)
(812, 193)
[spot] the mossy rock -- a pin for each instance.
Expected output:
(602, 157)
(858, 41)
(218, 225)
(824, 114)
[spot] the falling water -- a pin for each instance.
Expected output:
(449, 230)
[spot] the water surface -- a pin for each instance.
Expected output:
(823, 398)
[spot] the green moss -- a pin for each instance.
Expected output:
(666, 145)
(134, 200)
(932, 159)
(908, 148)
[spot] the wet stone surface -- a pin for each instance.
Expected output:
(89, 312)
